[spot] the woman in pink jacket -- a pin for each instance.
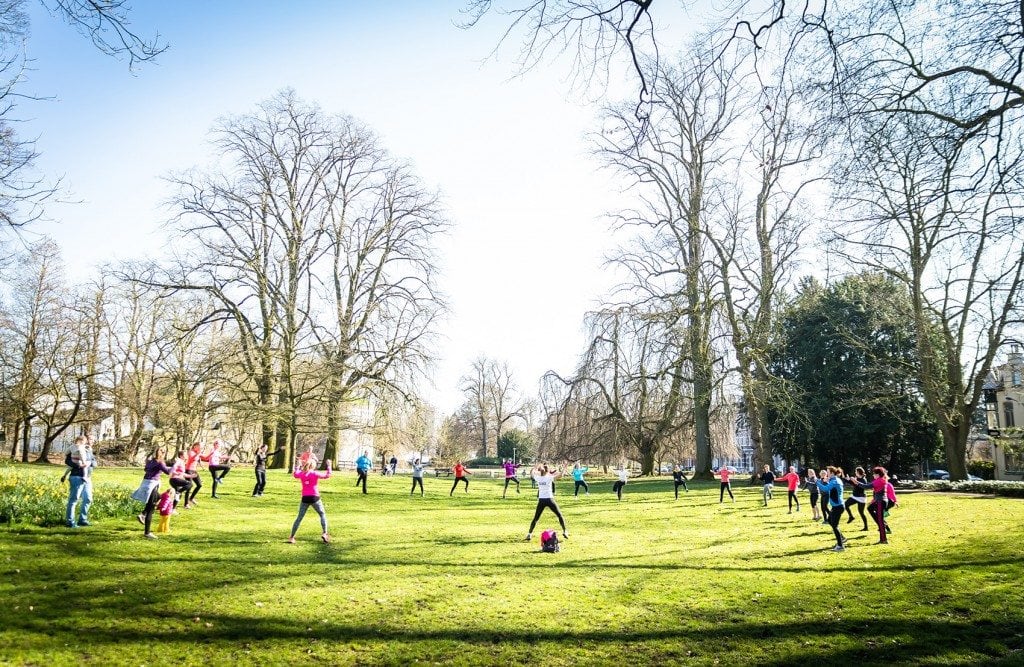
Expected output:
(310, 495)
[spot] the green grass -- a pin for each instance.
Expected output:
(449, 580)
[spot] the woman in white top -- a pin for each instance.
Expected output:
(621, 482)
(545, 480)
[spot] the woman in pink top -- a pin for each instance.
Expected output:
(792, 480)
(310, 495)
(879, 487)
(460, 476)
(723, 472)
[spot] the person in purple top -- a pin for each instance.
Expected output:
(510, 475)
(149, 491)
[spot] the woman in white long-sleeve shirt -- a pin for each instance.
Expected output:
(545, 480)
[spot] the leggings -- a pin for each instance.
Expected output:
(860, 508)
(507, 480)
(834, 516)
(261, 482)
(793, 499)
(154, 498)
(814, 496)
(456, 483)
(197, 484)
(361, 479)
(578, 484)
(682, 484)
(824, 506)
(318, 505)
(617, 488)
(549, 503)
(223, 470)
(415, 481)
(182, 487)
(878, 514)
(725, 486)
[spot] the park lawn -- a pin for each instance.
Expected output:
(450, 580)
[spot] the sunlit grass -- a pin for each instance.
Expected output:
(439, 579)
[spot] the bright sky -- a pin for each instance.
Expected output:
(509, 155)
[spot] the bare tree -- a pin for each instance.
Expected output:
(670, 163)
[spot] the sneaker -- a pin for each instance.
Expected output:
(142, 519)
(326, 538)
(888, 530)
(291, 540)
(565, 534)
(150, 536)
(529, 536)
(838, 547)
(882, 542)
(215, 496)
(83, 522)
(850, 520)
(69, 524)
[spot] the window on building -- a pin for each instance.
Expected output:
(1015, 463)
(1015, 377)
(1008, 414)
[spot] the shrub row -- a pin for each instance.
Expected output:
(39, 497)
(999, 488)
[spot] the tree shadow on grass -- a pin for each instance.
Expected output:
(874, 641)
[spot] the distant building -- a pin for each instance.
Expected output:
(1004, 413)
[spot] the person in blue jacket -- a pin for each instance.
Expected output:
(577, 478)
(363, 467)
(831, 487)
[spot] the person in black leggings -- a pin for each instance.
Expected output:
(679, 479)
(262, 456)
(859, 485)
(546, 497)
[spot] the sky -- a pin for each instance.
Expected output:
(509, 154)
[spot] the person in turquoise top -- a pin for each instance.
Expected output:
(577, 477)
(831, 487)
(363, 466)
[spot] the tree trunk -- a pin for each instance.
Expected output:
(648, 448)
(333, 424)
(14, 439)
(26, 438)
(954, 438)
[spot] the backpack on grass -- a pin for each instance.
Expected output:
(549, 541)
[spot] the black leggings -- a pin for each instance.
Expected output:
(415, 481)
(681, 483)
(793, 499)
(878, 508)
(361, 479)
(578, 484)
(182, 487)
(507, 480)
(834, 515)
(261, 482)
(456, 483)
(617, 488)
(549, 503)
(197, 484)
(154, 498)
(860, 508)
(725, 486)
(824, 506)
(223, 470)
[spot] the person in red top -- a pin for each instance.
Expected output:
(792, 480)
(193, 458)
(460, 476)
(723, 472)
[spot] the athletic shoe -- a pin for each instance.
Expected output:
(882, 542)
(215, 496)
(838, 547)
(888, 530)
(71, 525)
(850, 520)
(142, 519)
(84, 523)
(150, 536)
(326, 538)
(529, 536)
(291, 540)
(565, 534)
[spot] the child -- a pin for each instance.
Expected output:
(311, 495)
(166, 507)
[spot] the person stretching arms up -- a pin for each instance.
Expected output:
(578, 481)
(723, 472)
(510, 475)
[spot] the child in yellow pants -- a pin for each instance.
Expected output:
(166, 507)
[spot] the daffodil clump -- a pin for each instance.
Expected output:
(38, 496)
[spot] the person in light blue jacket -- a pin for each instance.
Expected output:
(577, 477)
(363, 467)
(831, 487)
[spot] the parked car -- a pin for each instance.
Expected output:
(938, 474)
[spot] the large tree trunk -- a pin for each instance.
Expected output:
(26, 439)
(14, 439)
(648, 448)
(333, 423)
